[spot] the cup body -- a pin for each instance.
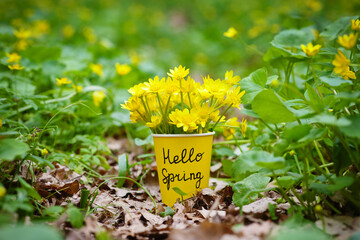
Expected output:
(183, 161)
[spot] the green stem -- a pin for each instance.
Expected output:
(329, 204)
(315, 78)
(189, 100)
(231, 142)
(267, 125)
(222, 116)
(281, 190)
(321, 156)
(297, 163)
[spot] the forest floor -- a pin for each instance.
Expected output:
(129, 213)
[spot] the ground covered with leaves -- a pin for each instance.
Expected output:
(75, 164)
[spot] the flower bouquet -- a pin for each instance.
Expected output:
(182, 115)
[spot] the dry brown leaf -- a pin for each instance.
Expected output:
(71, 188)
(204, 231)
(259, 206)
(211, 213)
(255, 230)
(152, 218)
(342, 227)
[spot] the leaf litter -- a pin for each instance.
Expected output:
(129, 213)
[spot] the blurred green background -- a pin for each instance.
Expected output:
(161, 34)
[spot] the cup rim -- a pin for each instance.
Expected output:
(183, 135)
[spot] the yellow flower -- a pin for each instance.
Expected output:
(231, 33)
(178, 73)
(154, 86)
(216, 88)
(137, 90)
(230, 79)
(15, 67)
(233, 97)
(98, 97)
(183, 119)
(22, 33)
(97, 69)
(243, 127)
(202, 114)
(77, 88)
(0, 122)
(155, 121)
(41, 27)
(355, 24)
(132, 104)
(342, 67)
(229, 131)
(134, 58)
(122, 69)
(44, 152)
(62, 81)
(13, 57)
(310, 50)
(348, 74)
(22, 44)
(189, 85)
(2, 191)
(135, 117)
(89, 34)
(292, 153)
(171, 86)
(68, 31)
(348, 41)
(214, 116)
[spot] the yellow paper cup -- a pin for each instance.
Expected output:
(183, 161)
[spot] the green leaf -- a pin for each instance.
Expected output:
(245, 165)
(224, 152)
(314, 134)
(42, 53)
(249, 112)
(247, 190)
(352, 130)
(272, 211)
(335, 81)
(337, 28)
(168, 212)
(355, 236)
(285, 181)
(23, 88)
(253, 84)
(270, 108)
(339, 184)
(148, 140)
(227, 165)
(32, 232)
(353, 96)
(315, 100)
(29, 189)
(292, 38)
(332, 120)
(293, 134)
(271, 162)
(53, 211)
(123, 164)
(75, 217)
(301, 233)
(10, 148)
(179, 191)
